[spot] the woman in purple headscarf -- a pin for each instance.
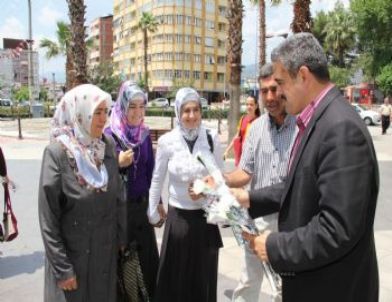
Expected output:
(134, 147)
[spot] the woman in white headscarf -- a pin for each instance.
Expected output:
(81, 214)
(188, 264)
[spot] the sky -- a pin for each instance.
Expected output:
(45, 14)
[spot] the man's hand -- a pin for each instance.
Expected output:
(68, 284)
(242, 197)
(125, 158)
(258, 244)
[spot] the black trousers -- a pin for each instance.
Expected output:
(385, 122)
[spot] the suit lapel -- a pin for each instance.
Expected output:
(329, 97)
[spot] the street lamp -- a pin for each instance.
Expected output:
(30, 57)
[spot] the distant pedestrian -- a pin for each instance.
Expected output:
(81, 214)
(238, 141)
(386, 113)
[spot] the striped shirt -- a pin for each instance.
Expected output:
(304, 118)
(267, 149)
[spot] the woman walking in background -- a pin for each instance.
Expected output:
(81, 214)
(136, 160)
(252, 112)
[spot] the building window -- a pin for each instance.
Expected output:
(209, 59)
(209, 42)
(207, 76)
(177, 73)
(197, 58)
(187, 74)
(222, 11)
(221, 77)
(210, 6)
(222, 27)
(221, 60)
(196, 75)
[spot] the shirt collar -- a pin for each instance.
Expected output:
(305, 116)
(273, 124)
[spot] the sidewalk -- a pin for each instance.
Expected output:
(21, 265)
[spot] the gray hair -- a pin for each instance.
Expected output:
(299, 50)
(266, 71)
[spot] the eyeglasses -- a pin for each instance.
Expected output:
(265, 90)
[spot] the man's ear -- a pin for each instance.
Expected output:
(304, 74)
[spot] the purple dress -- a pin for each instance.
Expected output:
(139, 228)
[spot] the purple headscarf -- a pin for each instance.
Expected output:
(131, 136)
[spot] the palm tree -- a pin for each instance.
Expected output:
(339, 33)
(60, 48)
(235, 14)
(147, 23)
(76, 12)
(302, 21)
(262, 29)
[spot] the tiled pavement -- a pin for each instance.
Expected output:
(21, 265)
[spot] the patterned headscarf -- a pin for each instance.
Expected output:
(71, 126)
(132, 136)
(183, 96)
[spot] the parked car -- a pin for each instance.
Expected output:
(204, 104)
(5, 103)
(370, 117)
(159, 102)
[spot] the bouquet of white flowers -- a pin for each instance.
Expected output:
(221, 207)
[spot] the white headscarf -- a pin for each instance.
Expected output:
(183, 96)
(71, 126)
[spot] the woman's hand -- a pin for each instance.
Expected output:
(225, 155)
(162, 212)
(192, 194)
(68, 284)
(125, 158)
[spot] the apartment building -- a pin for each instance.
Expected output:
(101, 33)
(14, 67)
(188, 47)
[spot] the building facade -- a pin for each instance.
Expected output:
(14, 71)
(188, 47)
(101, 33)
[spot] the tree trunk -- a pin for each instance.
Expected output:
(78, 41)
(145, 42)
(234, 53)
(69, 71)
(302, 21)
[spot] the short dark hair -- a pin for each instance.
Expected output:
(299, 50)
(266, 71)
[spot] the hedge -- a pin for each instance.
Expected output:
(24, 112)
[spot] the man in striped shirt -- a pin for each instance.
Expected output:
(264, 162)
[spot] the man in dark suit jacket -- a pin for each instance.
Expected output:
(325, 248)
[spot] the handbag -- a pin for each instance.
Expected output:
(130, 281)
(10, 224)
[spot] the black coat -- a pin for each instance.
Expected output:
(80, 228)
(325, 248)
